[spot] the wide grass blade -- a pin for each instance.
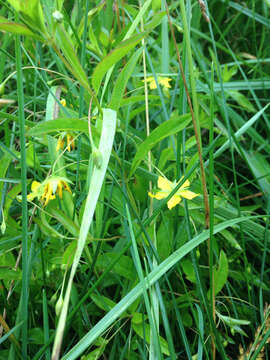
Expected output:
(99, 172)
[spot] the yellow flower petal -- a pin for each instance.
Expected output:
(60, 143)
(153, 85)
(188, 194)
(48, 193)
(31, 196)
(70, 142)
(63, 102)
(159, 195)
(164, 184)
(173, 201)
(59, 189)
(152, 82)
(164, 82)
(35, 185)
(185, 185)
(66, 187)
(167, 186)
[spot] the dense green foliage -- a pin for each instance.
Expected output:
(103, 103)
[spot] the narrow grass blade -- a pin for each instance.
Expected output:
(240, 132)
(25, 283)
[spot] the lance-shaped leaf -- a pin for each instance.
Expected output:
(167, 128)
(16, 28)
(111, 59)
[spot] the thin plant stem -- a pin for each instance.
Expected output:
(25, 283)
(194, 116)
(155, 304)
(211, 219)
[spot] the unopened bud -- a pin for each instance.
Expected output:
(59, 305)
(58, 17)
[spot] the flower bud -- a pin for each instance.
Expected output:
(59, 305)
(58, 17)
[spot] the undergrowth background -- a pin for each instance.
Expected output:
(101, 102)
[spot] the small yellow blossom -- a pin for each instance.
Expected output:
(63, 102)
(167, 186)
(164, 81)
(61, 142)
(46, 190)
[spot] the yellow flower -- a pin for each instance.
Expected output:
(70, 142)
(46, 190)
(167, 186)
(164, 81)
(63, 102)
(61, 142)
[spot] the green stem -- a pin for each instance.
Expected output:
(24, 299)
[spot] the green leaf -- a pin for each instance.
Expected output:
(6, 274)
(121, 82)
(242, 100)
(66, 46)
(170, 127)
(221, 274)
(35, 336)
(64, 124)
(67, 222)
(260, 167)
(16, 4)
(103, 302)
(69, 253)
(111, 59)
(188, 269)
(124, 267)
(143, 330)
(231, 321)
(16, 28)
(32, 13)
(165, 236)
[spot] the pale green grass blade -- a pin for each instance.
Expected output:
(254, 84)
(155, 275)
(99, 171)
